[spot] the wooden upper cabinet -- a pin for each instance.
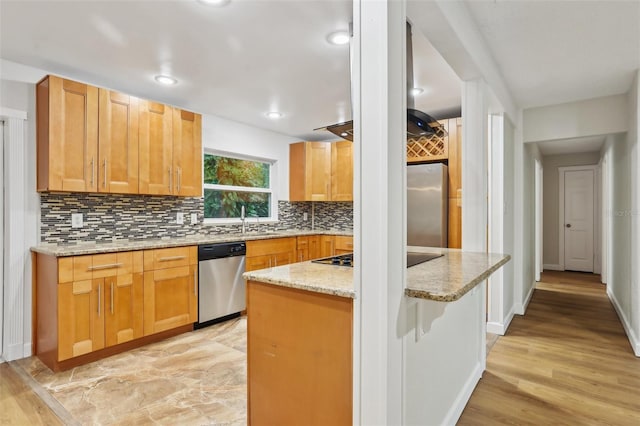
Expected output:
(434, 147)
(187, 153)
(310, 171)
(321, 171)
(118, 143)
(156, 149)
(455, 157)
(67, 135)
(342, 171)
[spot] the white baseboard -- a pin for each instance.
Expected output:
(28, 350)
(458, 405)
(552, 267)
(521, 308)
(13, 352)
(501, 328)
(633, 339)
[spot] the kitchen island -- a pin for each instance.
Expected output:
(300, 348)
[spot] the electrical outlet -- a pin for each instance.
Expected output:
(76, 220)
(305, 216)
(194, 218)
(180, 218)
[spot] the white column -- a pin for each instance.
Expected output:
(379, 102)
(15, 252)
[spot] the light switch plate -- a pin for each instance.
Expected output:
(180, 218)
(305, 216)
(194, 218)
(76, 220)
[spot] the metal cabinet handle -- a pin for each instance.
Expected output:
(93, 170)
(269, 262)
(168, 258)
(99, 297)
(111, 297)
(195, 282)
(170, 180)
(107, 266)
(104, 182)
(178, 178)
(275, 261)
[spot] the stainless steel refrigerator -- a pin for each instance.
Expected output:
(427, 205)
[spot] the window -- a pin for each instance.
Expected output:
(230, 183)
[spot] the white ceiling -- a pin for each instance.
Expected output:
(553, 52)
(572, 146)
(252, 56)
(237, 62)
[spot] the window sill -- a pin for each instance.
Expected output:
(235, 222)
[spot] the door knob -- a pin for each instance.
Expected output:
(568, 225)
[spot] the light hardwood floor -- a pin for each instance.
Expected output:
(566, 362)
(19, 404)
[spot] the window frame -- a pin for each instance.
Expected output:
(273, 208)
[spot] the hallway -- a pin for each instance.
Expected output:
(567, 361)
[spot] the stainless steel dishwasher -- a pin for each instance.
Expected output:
(221, 292)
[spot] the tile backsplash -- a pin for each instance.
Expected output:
(109, 217)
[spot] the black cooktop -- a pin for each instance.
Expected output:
(339, 260)
(413, 259)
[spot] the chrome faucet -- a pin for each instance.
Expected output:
(242, 218)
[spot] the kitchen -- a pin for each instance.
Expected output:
(232, 144)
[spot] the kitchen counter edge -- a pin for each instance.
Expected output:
(64, 250)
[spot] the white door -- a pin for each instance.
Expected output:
(578, 220)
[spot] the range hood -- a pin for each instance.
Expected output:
(419, 124)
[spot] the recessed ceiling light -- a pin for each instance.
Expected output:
(218, 3)
(344, 134)
(274, 115)
(338, 37)
(166, 80)
(416, 91)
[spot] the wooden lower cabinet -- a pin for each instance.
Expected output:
(327, 245)
(270, 253)
(308, 248)
(343, 244)
(80, 318)
(299, 354)
(88, 307)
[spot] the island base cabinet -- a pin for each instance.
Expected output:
(299, 351)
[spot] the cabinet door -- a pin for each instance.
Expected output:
(169, 296)
(342, 171)
(123, 306)
(187, 153)
(318, 171)
(283, 258)
(455, 157)
(302, 249)
(72, 129)
(80, 318)
(258, 262)
(327, 245)
(314, 247)
(118, 143)
(156, 145)
(310, 171)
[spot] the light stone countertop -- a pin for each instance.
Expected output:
(444, 279)
(82, 248)
(451, 276)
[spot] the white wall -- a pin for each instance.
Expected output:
(232, 137)
(531, 153)
(509, 223)
(20, 96)
(551, 163)
(633, 139)
(600, 116)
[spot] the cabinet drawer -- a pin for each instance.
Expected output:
(170, 257)
(76, 268)
(266, 247)
(343, 243)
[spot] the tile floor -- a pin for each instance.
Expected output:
(195, 378)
